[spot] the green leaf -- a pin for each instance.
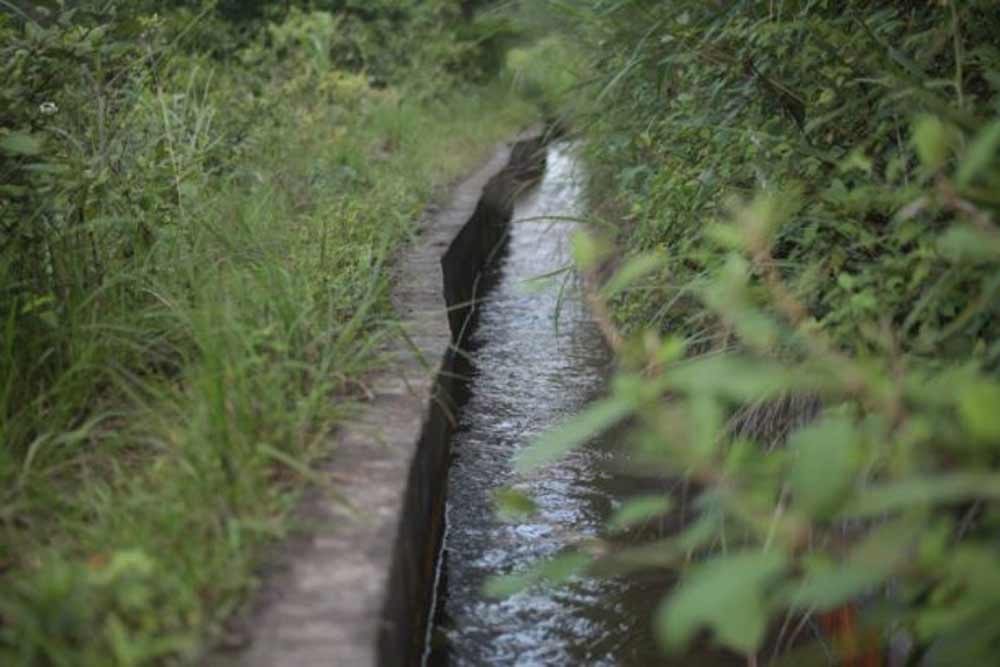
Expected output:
(910, 493)
(961, 244)
(727, 595)
(980, 154)
(979, 408)
(671, 350)
(846, 280)
(857, 159)
(586, 250)
(34, 31)
(735, 378)
(21, 143)
(639, 510)
(634, 269)
(825, 460)
(554, 571)
(667, 552)
(43, 168)
(766, 213)
(829, 586)
(38, 303)
(728, 236)
(12, 190)
(512, 504)
(707, 419)
(930, 137)
(555, 444)
(503, 586)
(826, 585)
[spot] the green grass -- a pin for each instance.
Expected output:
(199, 383)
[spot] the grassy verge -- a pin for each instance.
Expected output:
(212, 322)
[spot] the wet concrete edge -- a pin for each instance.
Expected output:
(353, 587)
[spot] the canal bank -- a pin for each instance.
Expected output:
(353, 587)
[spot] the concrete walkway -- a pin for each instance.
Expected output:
(352, 589)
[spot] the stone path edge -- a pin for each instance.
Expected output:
(354, 587)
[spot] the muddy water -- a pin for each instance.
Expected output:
(537, 358)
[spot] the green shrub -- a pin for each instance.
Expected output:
(543, 72)
(819, 354)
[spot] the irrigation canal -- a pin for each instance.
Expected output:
(537, 357)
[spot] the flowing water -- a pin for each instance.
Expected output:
(537, 357)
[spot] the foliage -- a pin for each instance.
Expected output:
(819, 357)
(190, 295)
(419, 45)
(542, 72)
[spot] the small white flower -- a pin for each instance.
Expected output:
(48, 108)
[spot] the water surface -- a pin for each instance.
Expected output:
(537, 358)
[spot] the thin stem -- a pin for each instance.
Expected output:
(959, 53)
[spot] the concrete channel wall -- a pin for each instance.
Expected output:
(354, 587)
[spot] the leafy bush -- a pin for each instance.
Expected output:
(97, 613)
(806, 195)
(542, 72)
(85, 159)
